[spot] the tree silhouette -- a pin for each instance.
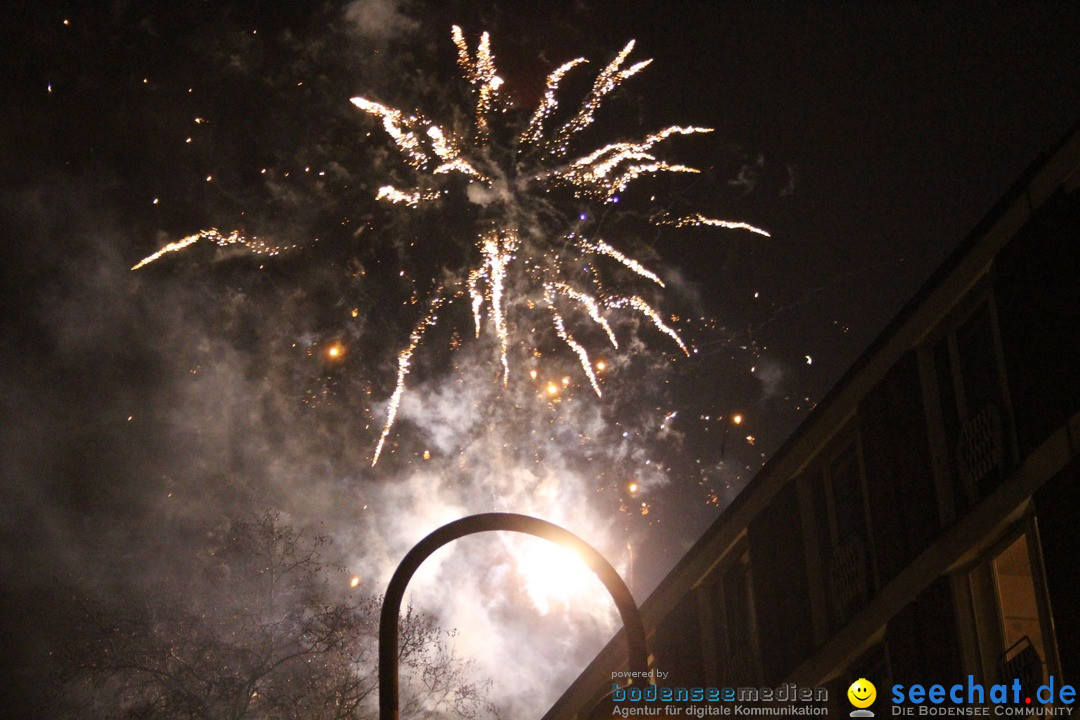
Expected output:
(252, 627)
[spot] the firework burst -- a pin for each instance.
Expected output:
(527, 255)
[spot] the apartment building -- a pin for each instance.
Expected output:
(923, 524)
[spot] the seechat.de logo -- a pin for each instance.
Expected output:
(862, 694)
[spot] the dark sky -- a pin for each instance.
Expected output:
(868, 138)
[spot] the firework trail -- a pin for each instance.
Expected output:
(404, 363)
(522, 259)
(252, 245)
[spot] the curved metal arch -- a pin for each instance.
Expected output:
(487, 522)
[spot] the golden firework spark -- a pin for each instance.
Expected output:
(252, 245)
(404, 363)
(518, 262)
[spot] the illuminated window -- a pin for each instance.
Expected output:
(1010, 614)
(1017, 604)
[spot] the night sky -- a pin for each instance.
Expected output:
(867, 138)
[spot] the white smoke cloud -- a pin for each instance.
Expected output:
(749, 175)
(771, 374)
(241, 412)
(531, 621)
(499, 191)
(379, 19)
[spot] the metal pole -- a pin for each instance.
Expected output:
(486, 522)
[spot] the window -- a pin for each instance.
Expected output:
(1010, 616)
(842, 529)
(678, 643)
(973, 407)
(1037, 293)
(899, 468)
(734, 633)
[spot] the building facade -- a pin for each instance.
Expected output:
(923, 524)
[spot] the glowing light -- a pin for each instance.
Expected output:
(552, 389)
(391, 194)
(335, 351)
(355, 581)
(552, 574)
(601, 366)
(633, 487)
(737, 419)
(533, 374)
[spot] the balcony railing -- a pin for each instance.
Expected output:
(980, 449)
(847, 577)
(1021, 662)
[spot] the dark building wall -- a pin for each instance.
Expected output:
(1056, 505)
(781, 591)
(842, 530)
(678, 644)
(899, 474)
(1037, 287)
(922, 638)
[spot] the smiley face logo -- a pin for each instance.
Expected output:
(862, 693)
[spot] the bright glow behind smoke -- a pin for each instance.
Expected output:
(555, 575)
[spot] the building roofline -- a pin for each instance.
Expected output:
(1027, 187)
(950, 281)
